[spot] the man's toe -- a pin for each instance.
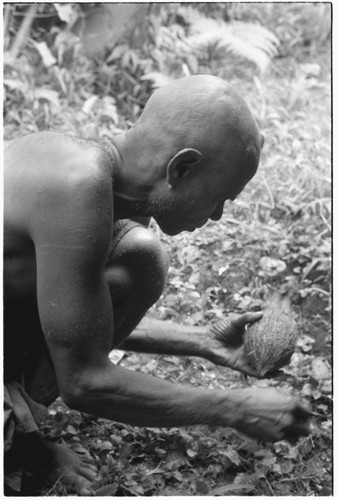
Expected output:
(88, 473)
(78, 483)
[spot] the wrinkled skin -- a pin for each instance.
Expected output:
(272, 415)
(269, 414)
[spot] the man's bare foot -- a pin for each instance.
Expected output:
(55, 463)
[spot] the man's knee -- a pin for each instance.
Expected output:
(139, 262)
(148, 261)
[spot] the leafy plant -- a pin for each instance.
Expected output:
(244, 40)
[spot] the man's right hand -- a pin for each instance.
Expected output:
(224, 342)
(271, 415)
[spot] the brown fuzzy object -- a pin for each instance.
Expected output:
(271, 341)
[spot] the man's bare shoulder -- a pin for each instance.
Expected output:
(48, 159)
(39, 150)
(52, 171)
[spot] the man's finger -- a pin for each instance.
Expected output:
(295, 432)
(248, 370)
(248, 317)
(275, 374)
(302, 413)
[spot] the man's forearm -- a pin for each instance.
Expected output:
(163, 337)
(138, 399)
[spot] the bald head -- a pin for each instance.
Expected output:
(195, 146)
(205, 113)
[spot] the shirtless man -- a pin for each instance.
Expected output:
(77, 283)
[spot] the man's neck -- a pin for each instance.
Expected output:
(130, 193)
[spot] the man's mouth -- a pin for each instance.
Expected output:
(173, 230)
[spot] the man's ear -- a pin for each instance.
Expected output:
(182, 164)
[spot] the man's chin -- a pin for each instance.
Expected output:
(173, 231)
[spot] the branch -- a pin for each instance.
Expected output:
(23, 32)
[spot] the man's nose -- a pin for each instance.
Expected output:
(217, 214)
(262, 140)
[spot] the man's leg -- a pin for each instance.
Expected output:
(136, 275)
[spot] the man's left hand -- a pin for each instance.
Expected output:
(224, 345)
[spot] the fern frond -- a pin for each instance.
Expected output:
(250, 41)
(257, 36)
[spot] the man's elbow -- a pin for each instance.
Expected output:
(81, 390)
(74, 396)
(77, 392)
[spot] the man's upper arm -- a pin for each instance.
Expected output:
(71, 233)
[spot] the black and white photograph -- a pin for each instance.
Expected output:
(167, 244)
